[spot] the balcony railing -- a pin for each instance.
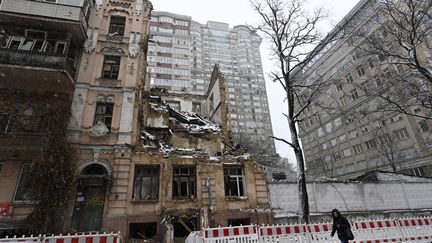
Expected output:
(37, 59)
(68, 10)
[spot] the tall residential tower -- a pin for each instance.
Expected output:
(182, 54)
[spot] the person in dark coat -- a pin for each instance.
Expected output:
(341, 225)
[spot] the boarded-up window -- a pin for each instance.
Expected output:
(146, 183)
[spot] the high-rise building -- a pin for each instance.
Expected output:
(181, 57)
(345, 139)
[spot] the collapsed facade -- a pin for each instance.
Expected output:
(142, 167)
(207, 181)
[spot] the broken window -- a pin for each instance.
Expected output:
(239, 222)
(22, 193)
(234, 181)
(184, 182)
(104, 112)
(146, 183)
(196, 107)
(143, 230)
(111, 67)
(175, 105)
(117, 25)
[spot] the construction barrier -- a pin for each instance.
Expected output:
(416, 229)
(234, 234)
(70, 238)
(367, 231)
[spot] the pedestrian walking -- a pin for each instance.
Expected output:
(342, 226)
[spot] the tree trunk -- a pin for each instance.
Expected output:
(301, 177)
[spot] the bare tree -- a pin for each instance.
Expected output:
(400, 40)
(292, 32)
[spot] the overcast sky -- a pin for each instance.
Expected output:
(236, 12)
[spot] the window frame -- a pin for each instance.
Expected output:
(154, 176)
(191, 178)
(105, 116)
(117, 25)
(114, 63)
(239, 180)
(21, 183)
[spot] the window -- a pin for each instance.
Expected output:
(416, 172)
(338, 122)
(342, 101)
(371, 144)
(370, 63)
(401, 133)
(104, 112)
(329, 127)
(360, 71)
(349, 79)
(111, 66)
(354, 133)
(117, 25)
(1, 165)
(347, 152)
(377, 81)
(333, 142)
(320, 132)
(342, 137)
(357, 148)
(416, 110)
(339, 86)
(146, 183)
(336, 156)
(364, 129)
(324, 145)
(355, 55)
(175, 105)
(354, 95)
(196, 107)
(424, 127)
(22, 193)
(234, 181)
(184, 182)
(60, 47)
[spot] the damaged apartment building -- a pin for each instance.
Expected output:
(188, 176)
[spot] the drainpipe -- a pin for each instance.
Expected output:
(210, 201)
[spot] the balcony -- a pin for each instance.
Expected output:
(73, 15)
(36, 70)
